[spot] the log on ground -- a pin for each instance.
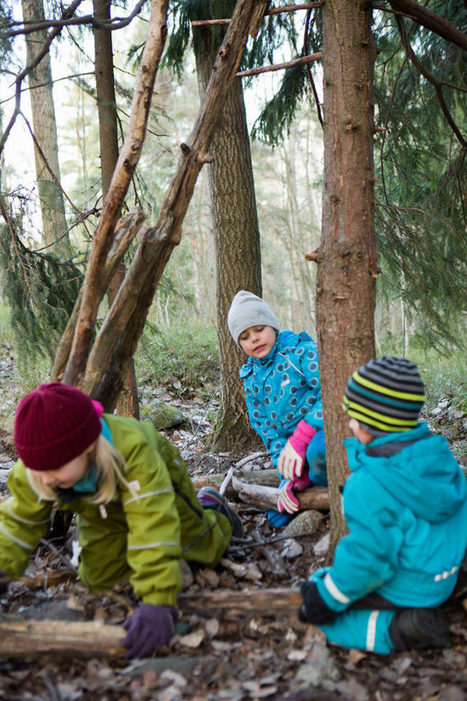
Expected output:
(268, 478)
(264, 497)
(25, 638)
(20, 638)
(231, 603)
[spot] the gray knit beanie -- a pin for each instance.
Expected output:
(249, 310)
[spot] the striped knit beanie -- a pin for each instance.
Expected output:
(386, 394)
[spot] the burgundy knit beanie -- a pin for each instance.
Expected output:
(53, 425)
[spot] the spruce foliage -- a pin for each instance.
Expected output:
(6, 43)
(41, 291)
(421, 173)
(420, 161)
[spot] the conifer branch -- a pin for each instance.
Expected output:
(280, 66)
(430, 20)
(110, 25)
(46, 164)
(431, 79)
(273, 11)
(308, 70)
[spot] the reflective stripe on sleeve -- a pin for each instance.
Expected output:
(334, 591)
(14, 539)
(371, 631)
(162, 543)
(138, 497)
(15, 517)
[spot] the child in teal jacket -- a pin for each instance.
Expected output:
(405, 506)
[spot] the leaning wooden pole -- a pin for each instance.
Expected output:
(129, 226)
(120, 333)
(128, 159)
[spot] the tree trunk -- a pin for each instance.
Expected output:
(236, 234)
(127, 403)
(54, 226)
(347, 254)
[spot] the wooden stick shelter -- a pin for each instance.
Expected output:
(100, 368)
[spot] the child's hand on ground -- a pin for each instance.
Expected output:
(149, 628)
(292, 456)
(287, 501)
(314, 609)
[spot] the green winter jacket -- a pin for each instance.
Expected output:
(152, 521)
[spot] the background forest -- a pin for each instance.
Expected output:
(419, 183)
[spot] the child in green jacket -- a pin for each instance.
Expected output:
(138, 511)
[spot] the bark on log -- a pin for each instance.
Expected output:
(247, 602)
(266, 497)
(25, 638)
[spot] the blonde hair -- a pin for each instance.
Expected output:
(109, 465)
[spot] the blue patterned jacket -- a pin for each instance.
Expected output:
(282, 389)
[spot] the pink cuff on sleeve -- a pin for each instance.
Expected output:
(302, 437)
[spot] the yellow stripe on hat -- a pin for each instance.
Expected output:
(377, 424)
(382, 389)
(379, 416)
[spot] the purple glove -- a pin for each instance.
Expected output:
(148, 629)
(292, 455)
(287, 501)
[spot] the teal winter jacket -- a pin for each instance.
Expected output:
(405, 505)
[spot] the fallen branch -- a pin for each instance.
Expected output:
(25, 638)
(19, 638)
(264, 497)
(265, 477)
(228, 603)
(43, 579)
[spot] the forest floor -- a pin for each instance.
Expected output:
(213, 658)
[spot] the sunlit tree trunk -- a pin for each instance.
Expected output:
(236, 233)
(347, 253)
(54, 226)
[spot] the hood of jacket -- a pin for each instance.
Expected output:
(423, 475)
(286, 342)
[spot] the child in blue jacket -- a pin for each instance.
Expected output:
(283, 398)
(405, 505)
